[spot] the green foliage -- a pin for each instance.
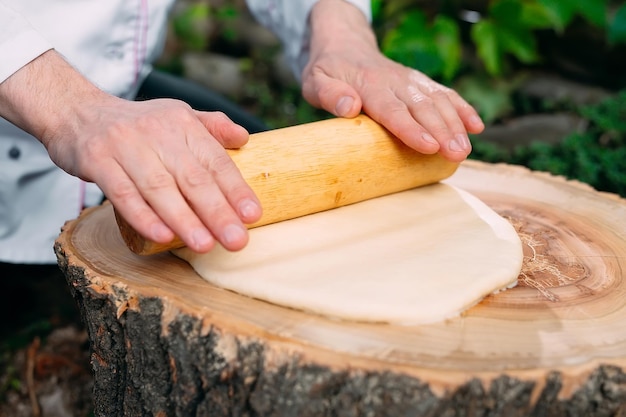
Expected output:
(596, 156)
(617, 28)
(490, 96)
(507, 31)
(433, 47)
(562, 13)
(504, 33)
(227, 13)
(189, 26)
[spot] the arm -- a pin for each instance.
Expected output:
(162, 164)
(288, 19)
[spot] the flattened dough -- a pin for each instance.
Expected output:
(414, 257)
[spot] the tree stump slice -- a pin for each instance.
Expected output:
(167, 343)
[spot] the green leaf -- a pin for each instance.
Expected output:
(485, 37)
(593, 10)
(617, 28)
(561, 11)
(377, 9)
(537, 16)
(410, 29)
(419, 45)
(491, 97)
(506, 12)
(397, 7)
(188, 26)
(448, 43)
(521, 43)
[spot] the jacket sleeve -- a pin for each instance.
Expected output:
(288, 19)
(20, 43)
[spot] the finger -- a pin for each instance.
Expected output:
(227, 176)
(434, 110)
(214, 188)
(127, 200)
(160, 191)
(229, 179)
(387, 109)
(208, 201)
(229, 134)
(467, 113)
(332, 95)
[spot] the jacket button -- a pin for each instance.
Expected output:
(14, 152)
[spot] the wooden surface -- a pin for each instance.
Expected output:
(554, 345)
(308, 168)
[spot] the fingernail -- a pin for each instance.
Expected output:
(460, 143)
(201, 238)
(160, 232)
(428, 138)
(233, 234)
(344, 105)
(248, 209)
(467, 145)
(476, 121)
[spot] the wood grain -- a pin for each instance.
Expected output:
(557, 342)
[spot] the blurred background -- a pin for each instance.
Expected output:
(547, 76)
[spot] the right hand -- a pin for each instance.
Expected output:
(162, 164)
(164, 168)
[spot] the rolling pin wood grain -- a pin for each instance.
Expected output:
(308, 168)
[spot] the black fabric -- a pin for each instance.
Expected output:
(33, 298)
(159, 84)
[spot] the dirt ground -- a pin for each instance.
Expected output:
(44, 351)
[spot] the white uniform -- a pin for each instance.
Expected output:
(112, 43)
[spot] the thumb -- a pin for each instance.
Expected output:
(229, 134)
(332, 95)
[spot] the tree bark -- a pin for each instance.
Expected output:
(167, 343)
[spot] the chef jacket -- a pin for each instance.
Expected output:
(112, 43)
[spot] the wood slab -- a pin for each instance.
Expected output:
(166, 342)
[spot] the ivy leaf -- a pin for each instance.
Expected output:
(521, 43)
(448, 42)
(485, 37)
(377, 8)
(490, 97)
(561, 11)
(617, 28)
(537, 16)
(190, 26)
(416, 44)
(593, 10)
(506, 12)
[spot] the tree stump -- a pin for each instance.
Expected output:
(167, 343)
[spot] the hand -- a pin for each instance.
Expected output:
(347, 74)
(162, 164)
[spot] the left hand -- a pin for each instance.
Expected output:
(347, 74)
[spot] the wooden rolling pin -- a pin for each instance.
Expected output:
(318, 166)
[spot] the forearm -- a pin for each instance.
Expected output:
(45, 96)
(289, 20)
(337, 24)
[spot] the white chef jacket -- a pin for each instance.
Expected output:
(112, 43)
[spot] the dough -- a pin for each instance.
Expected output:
(414, 257)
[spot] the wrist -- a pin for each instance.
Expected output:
(336, 24)
(45, 96)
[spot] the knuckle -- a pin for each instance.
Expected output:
(157, 182)
(123, 191)
(196, 177)
(221, 164)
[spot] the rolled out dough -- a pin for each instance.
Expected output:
(414, 257)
